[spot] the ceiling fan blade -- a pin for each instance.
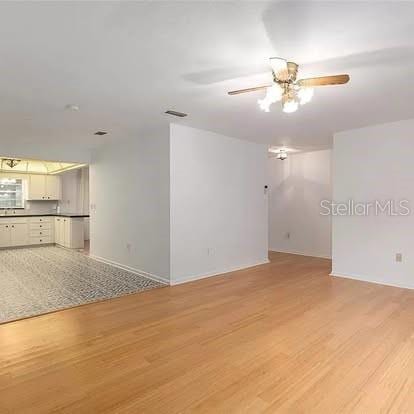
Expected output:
(324, 81)
(256, 88)
(280, 68)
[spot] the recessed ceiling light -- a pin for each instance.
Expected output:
(100, 133)
(72, 107)
(175, 113)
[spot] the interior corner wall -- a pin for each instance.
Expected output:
(129, 200)
(297, 187)
(218, 203)
(375, 164)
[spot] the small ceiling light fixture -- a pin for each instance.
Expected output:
(281, 152)
(72, 107)
(100, 133)
(11, 162)
(175, 113)
(281, 155)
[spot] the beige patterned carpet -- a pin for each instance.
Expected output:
(43, 279)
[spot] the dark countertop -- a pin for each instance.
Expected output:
(70, 215)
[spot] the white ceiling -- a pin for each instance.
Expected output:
(125, 63)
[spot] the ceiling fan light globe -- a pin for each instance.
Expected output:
(279, 68)
(305, 95)
(290, 106)
(274, 93)
(264, 104)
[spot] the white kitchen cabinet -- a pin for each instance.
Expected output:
(24, 231)
(53, 190)
(44, 187)
(69, 232)
(37, 187)
(21, 231)
(41, 230)
(19, 235)
(13, 233)
(59, 231)
(5, 237)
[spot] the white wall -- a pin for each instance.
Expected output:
(218, 206)
(297, 186)
(75, 191)
(369, 164)
(129, 198)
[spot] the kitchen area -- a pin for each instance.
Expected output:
(45, 260)
(43, 203)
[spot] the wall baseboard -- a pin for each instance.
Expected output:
(131, 269)
(222, 272)
(301, 253)
(366, 279)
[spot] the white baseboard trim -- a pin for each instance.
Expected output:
(131, 269)
(366, 279)
(301, 253)
(215, 273)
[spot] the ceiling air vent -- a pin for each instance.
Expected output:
(175, 113)
(100, 133)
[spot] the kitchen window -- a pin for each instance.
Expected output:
(11, 193)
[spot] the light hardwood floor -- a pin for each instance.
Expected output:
(283, 337)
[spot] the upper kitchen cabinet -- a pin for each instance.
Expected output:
(44, 187)
(53, 187)
(37, 187)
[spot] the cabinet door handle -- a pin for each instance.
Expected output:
(13, 227)
(7, 227)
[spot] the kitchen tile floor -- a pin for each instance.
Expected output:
(39, 280)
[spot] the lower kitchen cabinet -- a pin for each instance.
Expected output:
(41, 230)
(13, 233)
(69, 232)
(22, 231)
(18, 234)
(5, 236)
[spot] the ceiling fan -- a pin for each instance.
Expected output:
(287, 88)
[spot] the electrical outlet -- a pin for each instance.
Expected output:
(398, 257)
(210, 251)
(287, 235)
(129, 247)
